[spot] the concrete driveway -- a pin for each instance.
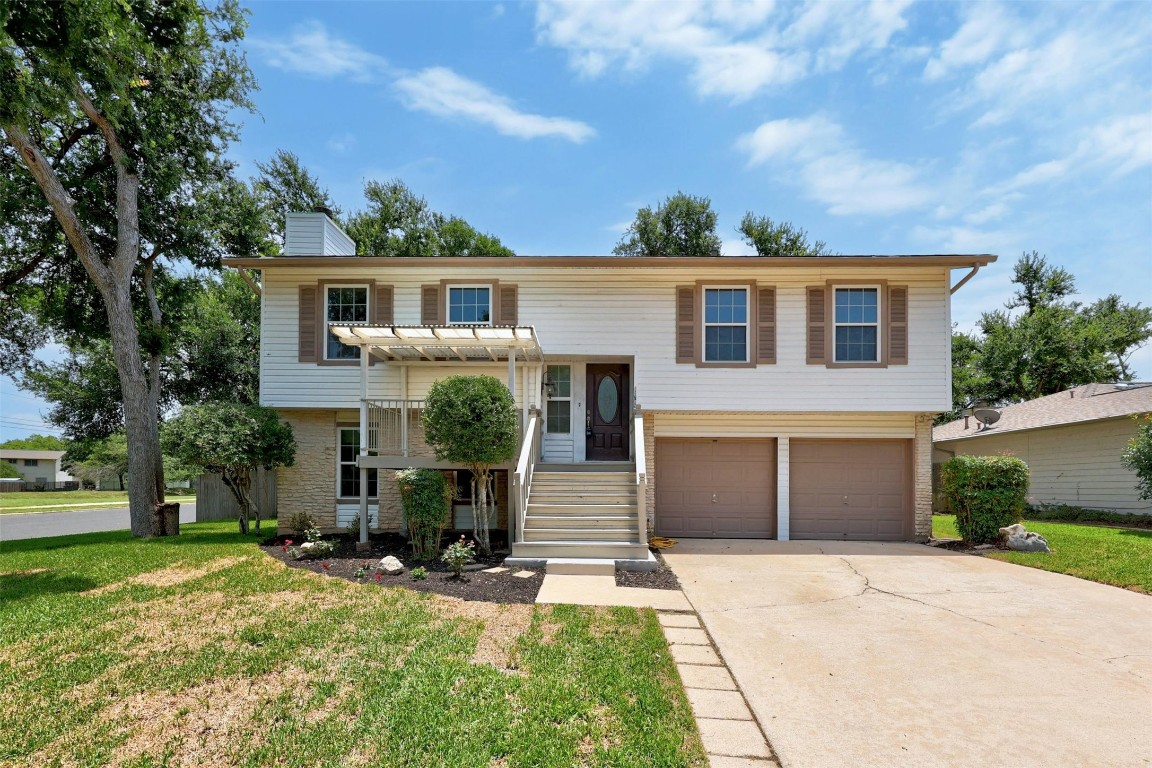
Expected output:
(867, 654)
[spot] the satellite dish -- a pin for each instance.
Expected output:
(986, 416)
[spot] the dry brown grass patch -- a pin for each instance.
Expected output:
(25, 572)
(168, 577)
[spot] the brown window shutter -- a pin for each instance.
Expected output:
(766, 325)
(382, 313)
(897, 325)
(509, 307)
(308, 324)
(686, 324)
(430, 309)
(817, 324)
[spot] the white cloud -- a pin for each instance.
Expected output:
(311, 50)
(342, 143)
(815, 153)
(734, 49)
(442, 92)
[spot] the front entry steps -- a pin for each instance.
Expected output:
(582, 517)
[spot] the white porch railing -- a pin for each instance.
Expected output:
(522, 477)
(641, 480)
(395, 429)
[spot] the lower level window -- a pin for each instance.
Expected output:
(349, 473)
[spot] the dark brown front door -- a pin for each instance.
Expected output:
(607, 421)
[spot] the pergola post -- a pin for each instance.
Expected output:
(365, 353)
(404, 410)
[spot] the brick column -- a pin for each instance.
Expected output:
(922, 475)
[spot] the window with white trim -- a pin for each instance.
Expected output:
(469, 305)
(725, 325)
(343, 304)
(558, 420)
(857, 324)
(347, 473)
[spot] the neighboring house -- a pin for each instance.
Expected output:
(1071, 441)
(729, 397)
(37, 467)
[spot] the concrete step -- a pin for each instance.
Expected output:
(586, 467)
(578, 521)
(608, 550)
(579, 534)
(537, 496)
(584, 477)
(586, 509)
(580, 566)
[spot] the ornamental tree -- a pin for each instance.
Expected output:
(471, 420)
(231, 440)
(1137, 457)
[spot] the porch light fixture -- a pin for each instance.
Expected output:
(547, 384)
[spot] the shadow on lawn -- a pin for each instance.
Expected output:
(23, 585)
(1138, 534)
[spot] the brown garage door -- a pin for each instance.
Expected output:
(716, 488)
(851, 489)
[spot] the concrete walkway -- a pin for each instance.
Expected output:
(602, 590)
(863, 654)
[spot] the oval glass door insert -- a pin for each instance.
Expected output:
(607, 399)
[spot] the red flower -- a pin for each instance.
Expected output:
(378, 575)
(326, 565)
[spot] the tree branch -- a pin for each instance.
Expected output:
(69, 141)
(61, 202)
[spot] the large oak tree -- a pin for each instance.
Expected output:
(116, 117)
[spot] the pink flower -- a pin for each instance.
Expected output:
(326, 565)
(378, 575)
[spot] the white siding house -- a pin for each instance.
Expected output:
(633, 367)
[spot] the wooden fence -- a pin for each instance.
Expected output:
(215, 502)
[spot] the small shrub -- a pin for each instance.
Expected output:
(315, 546)
(458, 554)
(427, 498)
(353, 527)
(987, 493)
(419, 573)
(300, 523)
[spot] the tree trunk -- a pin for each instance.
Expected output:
(239, 482)
(480, 517)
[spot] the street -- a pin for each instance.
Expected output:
(44, 524)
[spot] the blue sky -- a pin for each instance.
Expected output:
(884, 127)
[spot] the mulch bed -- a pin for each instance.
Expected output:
(956, 545)
(661, 578)
(475, 585)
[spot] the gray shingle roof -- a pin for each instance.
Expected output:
(1090, 402)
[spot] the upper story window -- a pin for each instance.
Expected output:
(344, 304)
(725, 325)
(470, 305)
(31, 462)
(857, 323)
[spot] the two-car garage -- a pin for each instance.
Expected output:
(842, 489)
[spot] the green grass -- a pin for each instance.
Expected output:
(23, 502)
(1114, 556)
(200, 648)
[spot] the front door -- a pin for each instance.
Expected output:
(606, 423)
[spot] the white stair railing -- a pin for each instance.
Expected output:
(522, 477)
(641, 480)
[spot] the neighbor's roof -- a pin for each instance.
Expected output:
(17, 453)
(1090, 402)
(614, 262)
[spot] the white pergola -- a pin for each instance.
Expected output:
(432, 344)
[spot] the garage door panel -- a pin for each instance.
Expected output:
(850, 489)
(716, 488)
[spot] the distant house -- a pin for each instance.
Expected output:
(1072, 443)
(37, 467)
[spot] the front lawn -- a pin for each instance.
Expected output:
(1114, 556)
(202, 650)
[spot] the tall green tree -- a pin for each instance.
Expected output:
(282, 186)
(778, 239)
(36, 443)
(398, 222)
(1043, 342)
(682, 225)
(118, 115)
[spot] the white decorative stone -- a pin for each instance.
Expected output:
(390, 565)
(305, 550)
(1022, 540)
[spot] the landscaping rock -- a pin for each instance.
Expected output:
(391, 565)
(1022, 540)
(306, 550)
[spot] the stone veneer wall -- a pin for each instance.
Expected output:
(310, 485)
(922, 475)
(650, 469)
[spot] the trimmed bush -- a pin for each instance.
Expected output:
(987, 493)
(427, 498)
(1137, 457)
